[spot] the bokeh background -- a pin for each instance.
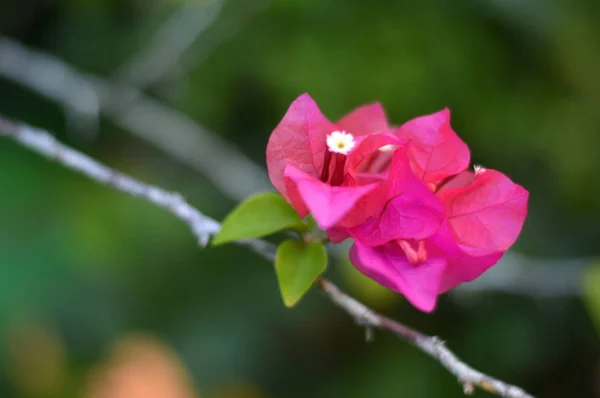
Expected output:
(105, 296)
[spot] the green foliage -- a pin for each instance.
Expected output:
(298, 265)
(591, 293)
(260, 215)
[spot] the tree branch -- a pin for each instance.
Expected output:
(229, 28)
(148, 119)
(165, 49)
(468, 377)
(157, 60)
(46, 145)
(203, 228)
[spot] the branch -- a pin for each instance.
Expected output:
(150, 120)
(228, 29)
(468, 377)
(164, 51)
(203, 227)
(46, 145)
(151, 65)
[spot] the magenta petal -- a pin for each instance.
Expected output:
(401, 178)
(368, 119)
(367, 148)
(486, 216)
(365, 207)
(298, 139)
(466, 268)
(409, 216)
(436, 152)
(411, 211)
(412, 215)
(461, 267)
(294, 196)
(418, 283)
(327, 204)
(460, 180)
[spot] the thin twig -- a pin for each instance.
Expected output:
(203, 227)
(226, 30)
(46, 145)
(431, 345)
(164, 51)
(151, 65)
(227, 168)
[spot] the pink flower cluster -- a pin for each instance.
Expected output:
(421, 221)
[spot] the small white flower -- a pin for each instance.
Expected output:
(479, 169)
(340, 142)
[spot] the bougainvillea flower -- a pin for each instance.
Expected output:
(483, 211)
(314, 163)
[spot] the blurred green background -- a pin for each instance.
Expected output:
(105, 296)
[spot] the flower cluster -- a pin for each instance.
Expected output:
(421, 221)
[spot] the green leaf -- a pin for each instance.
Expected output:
(298, 265)
(257, 216)
(310, 222)
(591, 292)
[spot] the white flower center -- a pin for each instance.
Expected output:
(340, 142)
(479, 169)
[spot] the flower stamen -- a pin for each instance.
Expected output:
(422, 252)
(414, 256)
(326, 163)
(411, 254)
(340, 142)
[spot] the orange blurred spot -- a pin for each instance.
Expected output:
(140, 366)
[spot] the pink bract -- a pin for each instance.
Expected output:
(483, 214)
(408, 211)
(316, 180)
(388, 266)
(436, 151)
